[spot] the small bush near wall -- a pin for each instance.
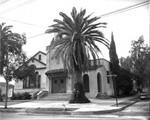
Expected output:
(21, 96)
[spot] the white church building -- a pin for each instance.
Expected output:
(52, 77)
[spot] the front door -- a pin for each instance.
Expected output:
(58, 85)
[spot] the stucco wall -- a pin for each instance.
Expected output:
(54, 63)
(106, 87)
(43, 78)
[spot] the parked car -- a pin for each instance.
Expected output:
(145, 94)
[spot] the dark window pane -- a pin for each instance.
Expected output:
(62, 81)
(86, 83)
(55, 81)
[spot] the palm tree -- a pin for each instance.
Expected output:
(10, 52)
(75, 43)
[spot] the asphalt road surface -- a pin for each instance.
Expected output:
(138, 111)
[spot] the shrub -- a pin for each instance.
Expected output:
(26, 96)
(21, 96)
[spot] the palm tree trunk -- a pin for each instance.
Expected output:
(78, 95)
(78, 76)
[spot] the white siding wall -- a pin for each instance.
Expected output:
(43, 85)
(43, 57)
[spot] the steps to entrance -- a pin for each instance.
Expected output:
(57, 96)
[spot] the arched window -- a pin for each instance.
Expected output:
(86, 82)
(99, 82)
(39, 81)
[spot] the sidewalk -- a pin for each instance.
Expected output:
(97, 106)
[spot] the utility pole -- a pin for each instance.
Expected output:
(7, 74)
(1, 99)
(115, 87)
(0, 49)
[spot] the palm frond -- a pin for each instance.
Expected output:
(67, 20)
(74, 13)
(76, 38)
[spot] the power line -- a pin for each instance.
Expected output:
(3, 1)
(18, 6)
(35, 35)
(125, 9)
(104, 15)
(23, 22)
(115, 12)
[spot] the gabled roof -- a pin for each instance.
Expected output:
(38, 53)
(36, 60)
(33, 58)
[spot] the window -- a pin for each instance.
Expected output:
(33, 60)
(55, 81)
(39, 81)
(86, 82)
(62, 81)
(39, 57)
(33, 80)
(99, 82)
(26, 83)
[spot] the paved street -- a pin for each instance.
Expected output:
(138, 111)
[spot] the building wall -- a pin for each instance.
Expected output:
(41, 69)
(109, 86)
(54, 63)
(43, 57)
(105, 86)
(19, 85)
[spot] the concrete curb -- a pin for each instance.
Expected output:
(13, 110)
(102, 111)
(67, 111)
(49, 111)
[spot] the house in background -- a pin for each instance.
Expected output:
(37, 83)
(95, 80)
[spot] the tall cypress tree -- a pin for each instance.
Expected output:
(114, 66)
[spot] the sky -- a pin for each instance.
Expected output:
(34, 16)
